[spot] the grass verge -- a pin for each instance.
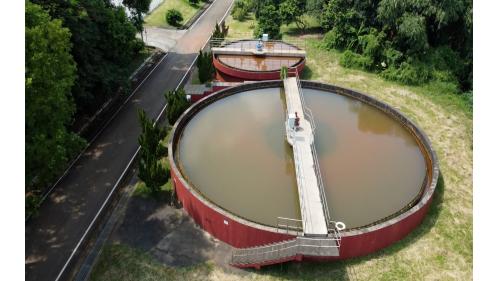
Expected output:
(122, 263)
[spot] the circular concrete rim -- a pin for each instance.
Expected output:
(423, 198)
(259, 71)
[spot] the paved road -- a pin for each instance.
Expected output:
(162, 38)
(65, 215)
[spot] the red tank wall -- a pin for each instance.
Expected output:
(234, 233)
(229, 74)
(370, 242)
(195, 98)
(241, 236)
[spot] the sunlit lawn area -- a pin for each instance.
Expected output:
(440, 249)
(157, 17)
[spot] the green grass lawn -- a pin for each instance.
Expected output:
(157, 17)
(440, 249)
(122, 263)
(238, 29)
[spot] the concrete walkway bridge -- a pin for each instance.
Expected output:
(300, 135)
(317, 234)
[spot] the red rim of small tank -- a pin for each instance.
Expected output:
(254, 75)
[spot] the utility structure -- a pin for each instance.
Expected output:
(314, 235)
(238, 60)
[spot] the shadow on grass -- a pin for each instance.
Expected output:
(295, 31)
(340, 270)
(306, 73)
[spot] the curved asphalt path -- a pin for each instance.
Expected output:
(68, 211)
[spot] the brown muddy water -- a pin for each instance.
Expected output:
(235, 153)
(258, 63)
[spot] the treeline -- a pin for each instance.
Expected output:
(271, 14)
(409, 41)
(412, 42)
(77, 55)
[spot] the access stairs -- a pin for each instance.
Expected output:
(290, 250)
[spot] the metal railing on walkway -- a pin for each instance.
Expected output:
(281, 251)
(308, 115)
(247, 43)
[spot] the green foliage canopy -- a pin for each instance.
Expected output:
(50, 73)
(151, 171)
(292, 11)
(176, 104)
(241, 8)
(138, 9)
(104, 45)
(399, 38)
(173, 17)
(206, 69)
(268, 21)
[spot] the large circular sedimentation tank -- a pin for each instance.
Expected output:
(234, 68)
(233, 170)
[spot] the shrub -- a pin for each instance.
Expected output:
(31, 203)
(448, 64)
(283, 72)
(372, 46)
(392, 57)
(206, 69)
(193, 2)
(240, 10)
(408, 73)
(174, 17)
(444, 76)
(269, 21)
(333, 39)
(412, 34)
(353, 60)
(151, 171)
(176, 104)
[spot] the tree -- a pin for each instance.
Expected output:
(138, 9)
(49, 75)
(173, 17)
(315, 7)
(103, 47)
(176, 104)
(241, 8)
(412, 35)
(269, 21)
(220, 31)
(206, 69)
(410, 41)
(292, 11)
(151, 171)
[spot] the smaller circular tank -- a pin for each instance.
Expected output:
(238, 68)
